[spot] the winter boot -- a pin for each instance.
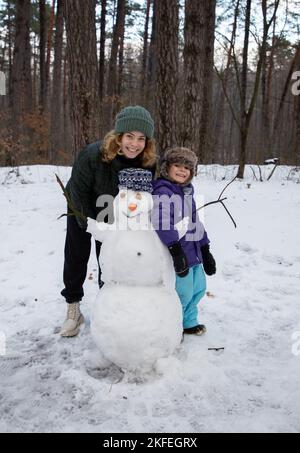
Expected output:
(197, 330)
(74, 319)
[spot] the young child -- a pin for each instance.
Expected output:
(190, 253)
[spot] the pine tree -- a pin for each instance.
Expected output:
(198, 75)
(167, 32)
(83, 67)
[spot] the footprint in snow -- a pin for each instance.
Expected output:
(243, 247)
(276, 259)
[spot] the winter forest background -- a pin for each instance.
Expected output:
(218, 76)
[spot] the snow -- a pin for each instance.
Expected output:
(51, 384)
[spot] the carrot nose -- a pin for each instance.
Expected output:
(132, 207)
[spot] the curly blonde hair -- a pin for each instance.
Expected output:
(112, 144)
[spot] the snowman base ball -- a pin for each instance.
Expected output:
(155, 333)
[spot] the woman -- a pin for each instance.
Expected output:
(95, 173)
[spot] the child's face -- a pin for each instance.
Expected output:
(179, 173)
(132, 144)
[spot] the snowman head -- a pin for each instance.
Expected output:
(134, 201)
(132, 204)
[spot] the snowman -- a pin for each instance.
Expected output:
(137, 316)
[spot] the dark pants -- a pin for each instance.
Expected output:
(77, 253)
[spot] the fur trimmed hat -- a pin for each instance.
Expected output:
(184, 156)
(137, 179)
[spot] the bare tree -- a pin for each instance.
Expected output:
(246, 113)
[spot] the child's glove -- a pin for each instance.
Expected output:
(179, 259)
(209, 263)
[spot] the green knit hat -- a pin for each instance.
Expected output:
(135, 118)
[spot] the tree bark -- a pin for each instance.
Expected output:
(152, 60)
(102, 49)
(198, 76)
(83, 67)
(42, 49)
(48, 59)
(56, 101)
(143, 88)
(117, 34)
(21, 70)
(167, 31)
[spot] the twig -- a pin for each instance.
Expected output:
(273, 171)
(116, 382)
(211, 202)
(260, 174)
(221, 200)
(234, 223)
(227, 187)
(74, 212)
(216, 349)
(254, 174)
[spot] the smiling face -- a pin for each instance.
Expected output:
(179, 173)
(133, 144)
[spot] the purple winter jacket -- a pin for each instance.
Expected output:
(166, 215)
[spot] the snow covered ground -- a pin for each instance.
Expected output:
(50, 384)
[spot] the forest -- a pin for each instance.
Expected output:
(219, 76)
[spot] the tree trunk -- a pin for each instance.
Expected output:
(247, 114)
(244, 83)
(21, 70)
(10, 50)
(102, 49)
(56, 102)
(112, 87)
(42, 49)
(198, 75)
(296, 160)
(143, 88)
(152, 60)
(167, 32)
(67, 135)
(83, 82)
(121, 56)
(49, 47)
(267, 75)
(220, 113)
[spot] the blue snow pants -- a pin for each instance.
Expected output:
(190, 290)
